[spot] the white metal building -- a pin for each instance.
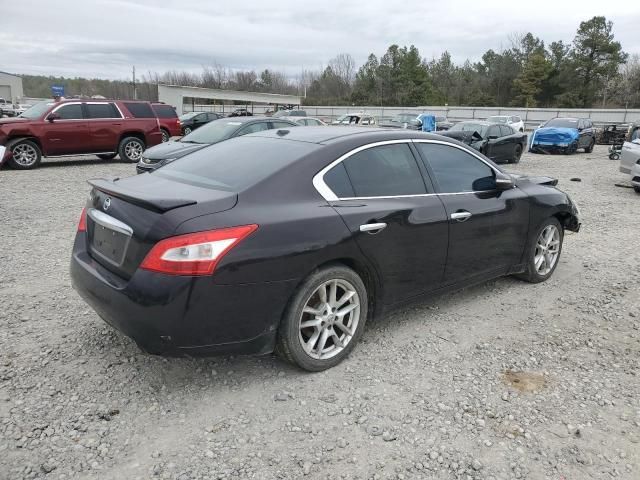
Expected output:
(175, 95)
(10, 87)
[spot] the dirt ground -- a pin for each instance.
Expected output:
(500, 381)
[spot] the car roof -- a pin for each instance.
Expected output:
(329, 134)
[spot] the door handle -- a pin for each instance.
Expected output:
(372, 228)
(461, 215)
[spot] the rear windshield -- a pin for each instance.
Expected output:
(140, 110)
(235, 164)
(165, 111)
(562, 123)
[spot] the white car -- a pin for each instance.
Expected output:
(630, 162)
(513, 121)
(362, 119)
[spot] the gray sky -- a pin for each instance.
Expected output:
(100, 38)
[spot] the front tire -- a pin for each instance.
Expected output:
(544, 251)
(517, 154)
(324, 319)
(25, 155)
(130, 149)
(637, 189)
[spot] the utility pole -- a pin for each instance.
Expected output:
(135, 91)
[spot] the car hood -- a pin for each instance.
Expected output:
(171, 150)
(5, 121)
(555, 135)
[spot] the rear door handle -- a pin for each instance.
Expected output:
(373, 227)
(460, 216)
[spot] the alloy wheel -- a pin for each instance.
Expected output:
(547, 250)
(133, 150)
(329, 319)
(24, 154)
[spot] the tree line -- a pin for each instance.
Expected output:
(591, 71)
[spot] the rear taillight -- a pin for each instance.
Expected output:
(194, 253)
(82, 223)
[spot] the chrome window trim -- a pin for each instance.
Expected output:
(326, 193)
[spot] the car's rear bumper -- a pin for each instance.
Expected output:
(176, 315)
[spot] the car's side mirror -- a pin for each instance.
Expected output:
(53, 116)
(504, 181)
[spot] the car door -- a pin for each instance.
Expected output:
(68, 134)
(397, 221)
(105, 124)
(497, 144)
(488, 228)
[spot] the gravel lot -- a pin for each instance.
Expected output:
(504, 380)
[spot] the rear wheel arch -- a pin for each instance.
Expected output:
(139, 135)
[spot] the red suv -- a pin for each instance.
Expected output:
(170, 125)
(106, 128)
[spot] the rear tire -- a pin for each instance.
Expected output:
(544, 249)
(130, 149)
(637, 189)
(25, 155)
(186, 130)
(589, 149)
(313, 334)
(165, 135)
(107, 156)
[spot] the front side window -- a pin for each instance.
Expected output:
(102, 110)
(455, 170)
(70, 112)
(387, 170)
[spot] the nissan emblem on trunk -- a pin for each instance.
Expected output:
(106, 204)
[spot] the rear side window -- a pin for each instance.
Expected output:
(165, 111)
(140, 110)
(236, 164)
(388, 170)
(338, 181)
(455, 170)
(102, 110)
(70, 112)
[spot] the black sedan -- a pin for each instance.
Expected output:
(193, 120)
(500, 143)
(213, 132)
(294, 238)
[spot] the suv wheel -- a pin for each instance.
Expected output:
(186, 130)
(544, 251)
(25, 155)
(324, 319)
(131, 149)
(165, 135)
(589, 149)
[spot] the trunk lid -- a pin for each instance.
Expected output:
(126, 217)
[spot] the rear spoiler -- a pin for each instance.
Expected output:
(137, 197)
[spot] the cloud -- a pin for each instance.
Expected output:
(101, 38)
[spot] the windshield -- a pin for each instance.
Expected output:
(562, 123)
(212, 132)
(188, 116)
(36, 111)
(497, 119)
(403, 118)
(470, 127)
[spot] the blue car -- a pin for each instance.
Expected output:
(563, 135)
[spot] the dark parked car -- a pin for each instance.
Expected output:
(565, 135)
(293, 239)
(290, 113)
(241, 112)
(213, 132)
(500, 143)
(193, 120)
(106, 128)
(170, 125)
